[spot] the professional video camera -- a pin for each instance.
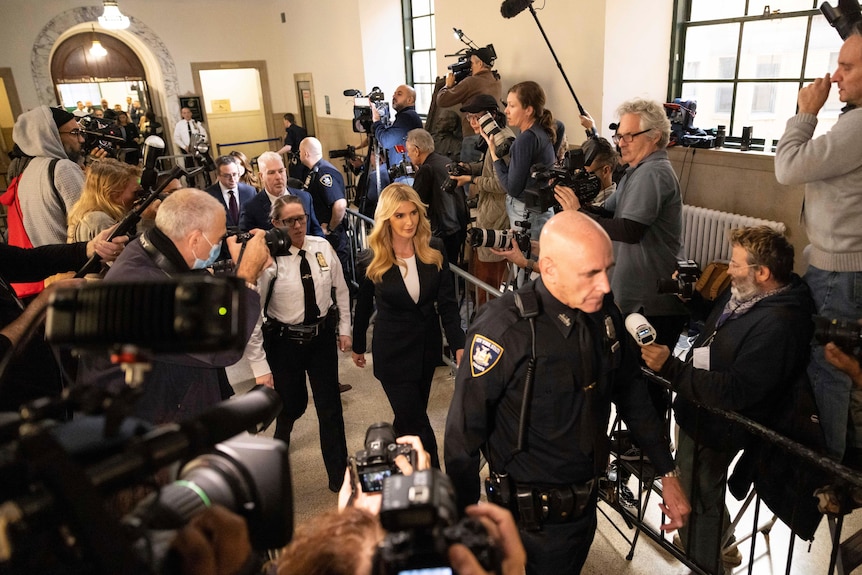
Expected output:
(57, 479)
(362, 118)
(454, 169)
(843, 18)
(500, 239)
(377, 461)
(461, 68)
(846, 334)
(349, 153)
(100, 134)
(569, 172)
(276, 240)
(421, 520)
(687, 275)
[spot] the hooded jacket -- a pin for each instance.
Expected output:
(753, 361)
(36, 134)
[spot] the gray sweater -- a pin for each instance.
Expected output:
(830, 166)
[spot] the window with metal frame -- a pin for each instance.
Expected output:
(420, 50)
(744, 62)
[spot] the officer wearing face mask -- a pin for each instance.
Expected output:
(186, 239)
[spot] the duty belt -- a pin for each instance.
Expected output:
(537, 505)
(300, 333)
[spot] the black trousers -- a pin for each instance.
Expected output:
(558, 549)
(290, 361)
(409, 401)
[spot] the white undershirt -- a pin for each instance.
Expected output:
(411, 277)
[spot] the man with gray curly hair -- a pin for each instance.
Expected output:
(644, 220)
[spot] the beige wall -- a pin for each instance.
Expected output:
(741, 183)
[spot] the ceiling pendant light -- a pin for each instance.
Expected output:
(112, 18)
(97, 50)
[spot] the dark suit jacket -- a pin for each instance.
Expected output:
(408, 333)
(255, 213)
(246, 193)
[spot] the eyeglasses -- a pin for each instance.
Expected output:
(627, 138)
(76, 132)
(288, 222)
(735, 266)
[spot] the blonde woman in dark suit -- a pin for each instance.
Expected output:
(409, 278)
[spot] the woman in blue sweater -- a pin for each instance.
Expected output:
(525, 110)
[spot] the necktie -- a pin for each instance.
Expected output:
(232, 208)
(587, 379)
(189, 124)
(312, 312)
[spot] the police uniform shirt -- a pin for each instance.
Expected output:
(326, 186)
(489, 392)
(287, 304)
(181, 132)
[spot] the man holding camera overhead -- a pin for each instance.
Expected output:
(406, 119)
(482, 80)
(296, 334)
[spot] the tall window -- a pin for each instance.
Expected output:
(420, 50)
(744, 61)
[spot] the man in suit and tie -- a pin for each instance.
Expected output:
(273, 176)
(229, 190)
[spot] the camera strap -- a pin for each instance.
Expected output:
(151, 240)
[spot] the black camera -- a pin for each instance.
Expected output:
(500, 239)
(454, 169)
(402, 169)
(377, 461)
(421, 520)
(362, 117)
(462, 68)
(100, 134)
(846, 334)
(687, 275)
(276, 240)
(843, 18)
(349, 152)
(569, 172)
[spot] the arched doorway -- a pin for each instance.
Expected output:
(117, 75)
(147, 45)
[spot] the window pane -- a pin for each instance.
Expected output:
(714, 47)
(755, 7)
(714, 103)
(714, 10)
(423, 97)
(421, 7)
(782, 40)
(423, 35)
(766, 107)
(422, 71)
(822, 49)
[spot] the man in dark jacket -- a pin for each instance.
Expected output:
(755, 343)
(186, 240)
(447, 209)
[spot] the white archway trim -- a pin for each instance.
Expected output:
(158, 63)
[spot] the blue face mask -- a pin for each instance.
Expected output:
(215, 250)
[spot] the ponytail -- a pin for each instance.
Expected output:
(546, 120)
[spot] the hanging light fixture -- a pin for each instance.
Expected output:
(112, 18)
(97, 50)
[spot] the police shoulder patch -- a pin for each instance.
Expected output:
(326, 180)
(484, 355)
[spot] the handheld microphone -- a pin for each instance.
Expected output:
(154, 147)
(641, 330)
(511, 8)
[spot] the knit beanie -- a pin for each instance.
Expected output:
(61, 116)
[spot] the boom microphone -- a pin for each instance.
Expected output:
(511, 8)
(641, 330)
(154, 147)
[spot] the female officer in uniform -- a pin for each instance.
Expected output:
(407, 275)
